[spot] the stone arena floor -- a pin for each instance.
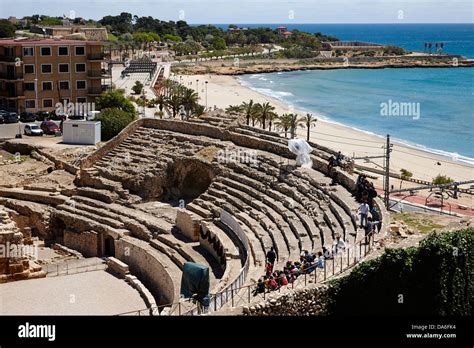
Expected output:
(89, 293)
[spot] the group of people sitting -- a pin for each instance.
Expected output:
(308, 262)
(335, 161)
(365, 190)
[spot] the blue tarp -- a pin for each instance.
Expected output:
(195, 280)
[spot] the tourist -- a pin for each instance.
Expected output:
(328, 254)
(320, 261)
(269, 269)
(283, 279)
(273, 284)
(370, 228)
(339, 244)
(375, 216)
(260, 287)
(364, 212)
(271, 256)
(339, 158)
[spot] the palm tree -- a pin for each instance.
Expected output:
(198, 111)
(263, 111)
(233, 109)
(295, 121)
(189, 100)
(283, 122)
(173, 102)
(249, 109)
(160, 100)
(309, 121)
(272, 116)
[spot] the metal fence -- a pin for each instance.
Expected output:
(74, 267)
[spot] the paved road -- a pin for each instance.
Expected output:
(9, 130)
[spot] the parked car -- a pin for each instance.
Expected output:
(33, 129)
(57, 116)
(42, 115)
(76, 117)
(27, 117)
(11, 117)
(50, 128)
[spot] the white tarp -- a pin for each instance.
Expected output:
(302, 151)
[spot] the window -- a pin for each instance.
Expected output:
(80, 67)
(30, 104)
(80, 84)
(28, 51)
(29, 86)
(45, 51)
(63, 84)
(46, 68)
(47, 103)
(29, 69)
(63, 51)
(47, 86)
(80, 51)
(65, 101)
(81, 100)
(63, 68)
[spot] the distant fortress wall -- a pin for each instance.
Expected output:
(93, 34)
(353, 45)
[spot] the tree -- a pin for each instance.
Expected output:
(284, 123)
(271, 117)
(294, 121)
(233, 109)
(309, 121)
(7, 29)
(198, 110)
(173, 102)
(115, 99)
(189, 100)
(249, 109)
(263, 110)
(138, 87)
(442, 179)
(113, 120)
(404, 175)
(218, 43)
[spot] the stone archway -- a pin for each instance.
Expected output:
(109, 246)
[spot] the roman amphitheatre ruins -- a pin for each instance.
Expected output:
(157, 196)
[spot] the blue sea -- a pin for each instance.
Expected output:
(353, 97)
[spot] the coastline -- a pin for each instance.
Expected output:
(223, 91)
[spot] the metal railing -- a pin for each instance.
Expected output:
(74, 267)
(241, 295)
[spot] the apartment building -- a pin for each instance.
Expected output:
(37, 74)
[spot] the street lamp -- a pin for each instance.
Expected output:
(206, 93)
(197, 88)
(36, 94)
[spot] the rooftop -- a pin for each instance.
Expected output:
(22, 42)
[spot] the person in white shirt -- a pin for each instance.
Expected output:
(339, 244)
(364, 212)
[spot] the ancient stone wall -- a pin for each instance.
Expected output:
(84, 242)
(313, 300)
(144, 264)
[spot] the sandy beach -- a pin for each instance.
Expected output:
(223, 91)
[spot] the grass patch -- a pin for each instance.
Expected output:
(421, 224)
(20, 159)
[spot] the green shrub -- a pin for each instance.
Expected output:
(113, 120)
(432, 279)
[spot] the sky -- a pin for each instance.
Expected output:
(255, 11)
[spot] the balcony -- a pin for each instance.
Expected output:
(11, 76)
(98, 74)
(8, 59)
(96, 56)
(11, 94)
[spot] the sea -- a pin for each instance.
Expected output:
(431, 109)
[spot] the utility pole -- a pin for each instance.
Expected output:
(388, 149)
